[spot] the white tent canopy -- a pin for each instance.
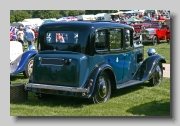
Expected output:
(34, 21)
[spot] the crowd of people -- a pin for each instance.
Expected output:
(146, 15)
(23, 35)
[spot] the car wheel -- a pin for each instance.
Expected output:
(28, 69)
(157, 75)
(102, 89)
(154, 40)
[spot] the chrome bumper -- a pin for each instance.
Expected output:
(53, 87)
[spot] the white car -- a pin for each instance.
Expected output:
(16, 50)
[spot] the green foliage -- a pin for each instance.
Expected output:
(100, 11)
(21, 15)
(73, 13)
(12, 18)
(43, 14)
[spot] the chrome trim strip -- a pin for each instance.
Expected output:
(53, 87)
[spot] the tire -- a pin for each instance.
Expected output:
(28, 69)
(157, 75)
(155, 41)
(102, 90)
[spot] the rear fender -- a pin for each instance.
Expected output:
(24, 60)
(99, 68)
(146, 69)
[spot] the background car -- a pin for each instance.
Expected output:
(21, 62)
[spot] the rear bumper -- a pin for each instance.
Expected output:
(30, 86)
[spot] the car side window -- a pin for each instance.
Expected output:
(100, 40)
(128, 38)
(115, 39)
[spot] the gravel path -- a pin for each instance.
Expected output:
(166, 72)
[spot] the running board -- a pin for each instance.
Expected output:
(129, 83)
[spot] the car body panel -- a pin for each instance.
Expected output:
(73, 68)
(20, 63)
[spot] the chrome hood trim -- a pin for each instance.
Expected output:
(150, 29)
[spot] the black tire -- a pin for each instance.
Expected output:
(157, 75)
(28, 69)
(102, 90)
(155, 40)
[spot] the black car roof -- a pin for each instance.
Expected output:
(96, 24)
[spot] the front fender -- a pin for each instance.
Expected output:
(145, 71)
(99, 68)
(23, 61)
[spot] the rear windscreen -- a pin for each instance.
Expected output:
(61, 37)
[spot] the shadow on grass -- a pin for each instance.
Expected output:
(154, 108)
(65, 101)
(126, 90)
(150, 44)
(54, 101)
(17, 76)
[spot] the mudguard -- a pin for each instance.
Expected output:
(23, 61)
(95, 74)
(146, 69)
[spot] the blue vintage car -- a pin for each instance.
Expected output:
(21, 62)
(95, 58)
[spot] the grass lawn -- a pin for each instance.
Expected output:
(137, 100)
(162, 49)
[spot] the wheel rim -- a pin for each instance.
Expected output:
(102, 90)
(158, 75)
(30, 65)
(155, 41)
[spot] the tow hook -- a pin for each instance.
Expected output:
(163, 68)
(37, 95)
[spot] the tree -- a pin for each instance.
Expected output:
(100, 11)
(73, 13)
(44, 14)
(64, 13)
(12, 18)
(21, 15)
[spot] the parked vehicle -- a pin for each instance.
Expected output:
(103, 17)
(158, 32)
(96, 58)
(138, 27)
(21, 62)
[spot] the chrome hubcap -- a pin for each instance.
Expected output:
(102, 88)
(30, 65)
(158, 75)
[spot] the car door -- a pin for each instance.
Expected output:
(116, 55)
(129, 65)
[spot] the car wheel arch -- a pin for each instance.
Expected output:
(95, 74)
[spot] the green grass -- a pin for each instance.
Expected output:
(137, 100)
(162, 49)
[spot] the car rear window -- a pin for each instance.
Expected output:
(61, 37)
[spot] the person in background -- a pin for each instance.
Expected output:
(20, 36)
(140, 15)
(29, 36)
(59, 38)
